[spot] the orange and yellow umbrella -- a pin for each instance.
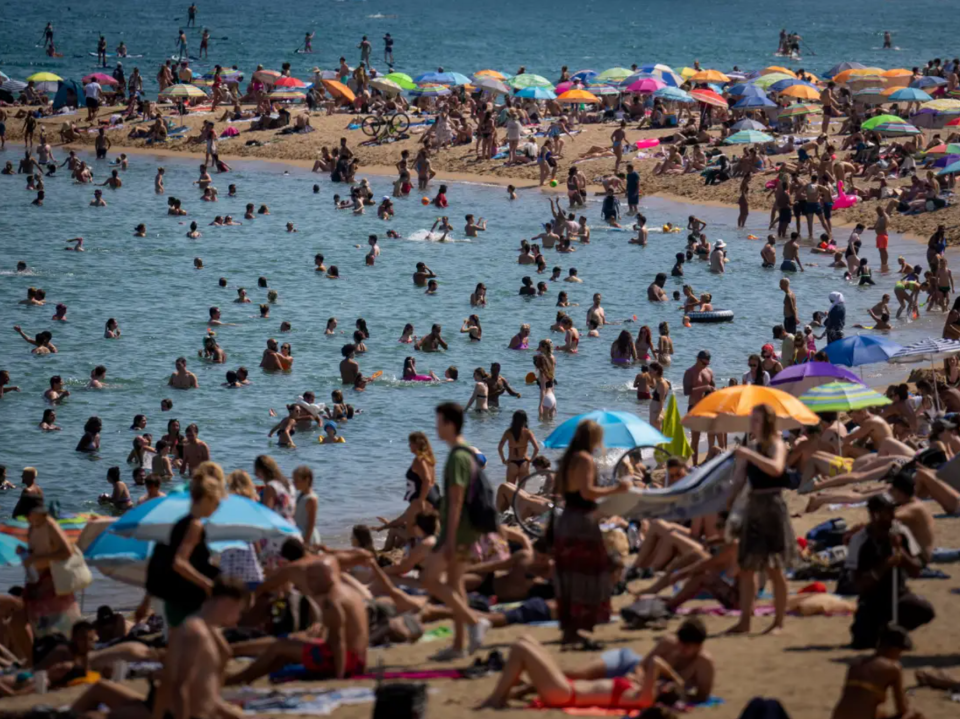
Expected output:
(777, 68)
(575, 96)
(855, 72)
(490, 73)
(897, 72)
(801, 92)
(338, 89)
(729, 409)
(710, 76)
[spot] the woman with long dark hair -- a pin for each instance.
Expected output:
(756, 374)
(622, 350)
(766, 537)
(584, 569)
(517, 437)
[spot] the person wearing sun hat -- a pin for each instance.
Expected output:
(330, 435)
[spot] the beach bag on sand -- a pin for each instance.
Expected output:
(400, 701)
(646, 613)
(72, 575)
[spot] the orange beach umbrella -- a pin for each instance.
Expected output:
(729, 409)
(338, 89)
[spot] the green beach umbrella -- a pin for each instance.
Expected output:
(613, 75)
(842, 397)
(799, 109)
(404, 81)
(748, 137)
(765, 81)
(881, 120)
(529, 80)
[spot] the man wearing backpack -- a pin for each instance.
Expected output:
(463, 485)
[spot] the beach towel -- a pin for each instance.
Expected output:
(299, 701)
(678, 445)
(297, 672)
(712, 701)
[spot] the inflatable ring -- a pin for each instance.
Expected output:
(711, 317)
(670, 229)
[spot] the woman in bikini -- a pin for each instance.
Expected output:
(471, 326)
(664, 345)
(658, 397)
(481, 391)
(623, 351)
(644, 344)
(546, 365)
(528, 656)
(868, 680)
(520, 341)
(571, 337)
(517, 437)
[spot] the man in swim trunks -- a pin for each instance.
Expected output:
(684, 654)
(883, 238)
(595, 312)
(195, 451)
(343, 653)
(791, 254)
(349, 367)
(827, 100)
(790, 321)
(697, 381)
(633, 190)
(497, 385)
(548, 237)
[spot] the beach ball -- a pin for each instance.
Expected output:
(425, 201)
(553, 183)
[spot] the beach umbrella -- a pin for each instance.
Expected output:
(614, 75)
(880, 120)
(44, 77)
(777, 68)
(709, 76)
(748, 124)
(529, 80)
(928, 81)
(339, 90)
(860, 350)
(870, 96)
(800, 378)
(584, 75)
(182, 90)
(492, 84)
(489, 73)
(842, 397)
(402, 79)
(746, 89)
(646, 86)
(802, 92)
(799, 109)
(955, 121)
(781, 85)
(896, 129)
(951, 169)
(287, 95)
(946, 161)
(442, 78)
(765, 81)
(3, 76)
(847, 75)
(13, 86)
(926, 350)
(708, 97)
(266, 76)
(673, 94)
(944, 103)
(842, 67)
(748, 137)
(431, 91)
(663, 72)
(99, 77)
(753, 103)
(386, 86)
(577, 96)
(620, 429)
(605, 90)
(909, 94)
(564, 86)
(897, 72)
(687, 72)
(289, 82)
(237, 518)
(537, 93)
(729, 409)
(943, 149)
(8, 550)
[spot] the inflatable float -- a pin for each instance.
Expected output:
(711, 317)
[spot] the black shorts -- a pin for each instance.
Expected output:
(92, 103)
(532, 610)
(785, 215)
(798, 209)
(790, 324)
(101, 153)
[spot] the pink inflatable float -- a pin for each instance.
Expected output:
(843, 200)
(647, 143)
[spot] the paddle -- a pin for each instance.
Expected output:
(808, 48)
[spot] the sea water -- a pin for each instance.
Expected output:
(541, 35)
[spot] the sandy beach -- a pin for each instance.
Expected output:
(459, 163)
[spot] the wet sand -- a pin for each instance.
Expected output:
(459, 163)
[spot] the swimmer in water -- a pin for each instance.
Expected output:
(97, 376)
(60, 313)
(112, 330)
(194, 233)
(98, 200)
(472, 228)
(285, 428)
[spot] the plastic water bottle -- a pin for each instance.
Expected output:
(41, 681)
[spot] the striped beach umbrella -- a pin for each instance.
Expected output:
(926, 350)
(799, 109)
(944, 103)
(584, 75)
(842, 397)
(881, 120)
(431, 91)
(748, 137)
(748, 124)
(896, 129)
(765, 81)
(182, 90)
(290, 95)
(266, 76)
(663, 72)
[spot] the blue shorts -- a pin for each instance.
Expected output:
(620, 662)
(532, 610)
(788, 266)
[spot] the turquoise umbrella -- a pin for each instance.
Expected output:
(8, 550)
(673, 94)
(910, 94)
(620, 429)
(748, 137)
(537, 93)
(950, 169)
(842, 397)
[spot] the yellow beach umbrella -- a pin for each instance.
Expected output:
(801, 92)
(688, 72)
(855, 72)
(183, 91)
(490, 73)
(710, 76)
(729, 409)
(44, 77)
(943, 103)
(574, 96)
(777, 68)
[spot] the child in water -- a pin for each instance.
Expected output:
(330, 435)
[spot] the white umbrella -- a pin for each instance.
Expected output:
(928, 350)
(13, 86)
(386, 86)
(492, 84)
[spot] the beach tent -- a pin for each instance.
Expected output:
(69, 94)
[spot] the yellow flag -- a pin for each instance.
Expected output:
(678, 446)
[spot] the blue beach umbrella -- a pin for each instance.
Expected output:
(928, 81)
(860, 350)
(909, 94)
(237, 518)
(781, 85)
(584, 75)
(8, 550)
(537, 93)
(663, 72)
(748, 137)
(746, 89)
(747, 103)
(673, 94)
(442, 78)
(620, 429)
(950, 169)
